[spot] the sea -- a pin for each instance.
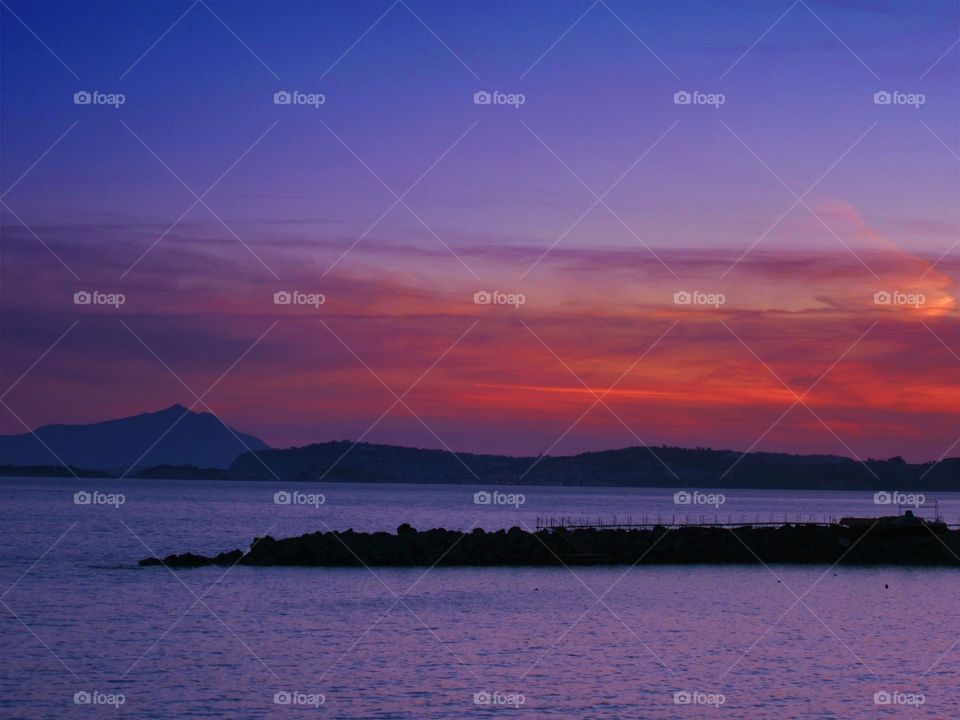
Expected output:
(87, 633)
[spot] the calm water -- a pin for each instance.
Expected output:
(81, 617)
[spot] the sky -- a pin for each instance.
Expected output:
(813, 225)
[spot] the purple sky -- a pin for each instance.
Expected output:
(701, 198)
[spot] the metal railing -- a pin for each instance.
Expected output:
(648, 521)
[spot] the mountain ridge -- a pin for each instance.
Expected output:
(174, 435)
(638, 466)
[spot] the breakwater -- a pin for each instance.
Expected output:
(862, 542)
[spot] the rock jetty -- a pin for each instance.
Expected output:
(881, 541)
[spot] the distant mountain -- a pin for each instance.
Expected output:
(196, 439)
(629, 467)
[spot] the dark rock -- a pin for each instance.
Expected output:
(811, 544)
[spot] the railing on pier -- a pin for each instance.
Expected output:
(674, 520)
(928, 510)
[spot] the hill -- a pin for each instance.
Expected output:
(181, 437)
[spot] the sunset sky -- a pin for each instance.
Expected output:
(598, 199)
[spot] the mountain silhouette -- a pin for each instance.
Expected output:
(628, 467)
(181, 437)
